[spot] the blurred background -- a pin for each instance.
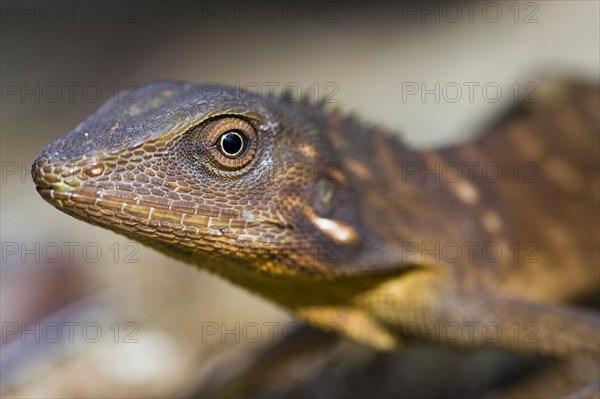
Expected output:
(88, 313)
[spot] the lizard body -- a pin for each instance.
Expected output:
(342, 223)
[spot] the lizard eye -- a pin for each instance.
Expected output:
(234, 142)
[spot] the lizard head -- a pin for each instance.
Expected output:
(214, 172)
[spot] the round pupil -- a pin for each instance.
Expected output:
(232, 143)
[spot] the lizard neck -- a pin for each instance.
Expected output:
(504, 205)
(413, 205)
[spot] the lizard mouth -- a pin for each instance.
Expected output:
(79, 189)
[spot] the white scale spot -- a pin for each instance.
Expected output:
(466, 192)
(526, 143)
(336, 230)
(562, 174)
(150, 215)
(491, 222)
(308, 151)
(359, 170)
(270, 126)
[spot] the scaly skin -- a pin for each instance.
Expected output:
(341, 223)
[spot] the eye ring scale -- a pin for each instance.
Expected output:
(230, 141)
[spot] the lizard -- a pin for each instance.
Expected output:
(481, 244)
